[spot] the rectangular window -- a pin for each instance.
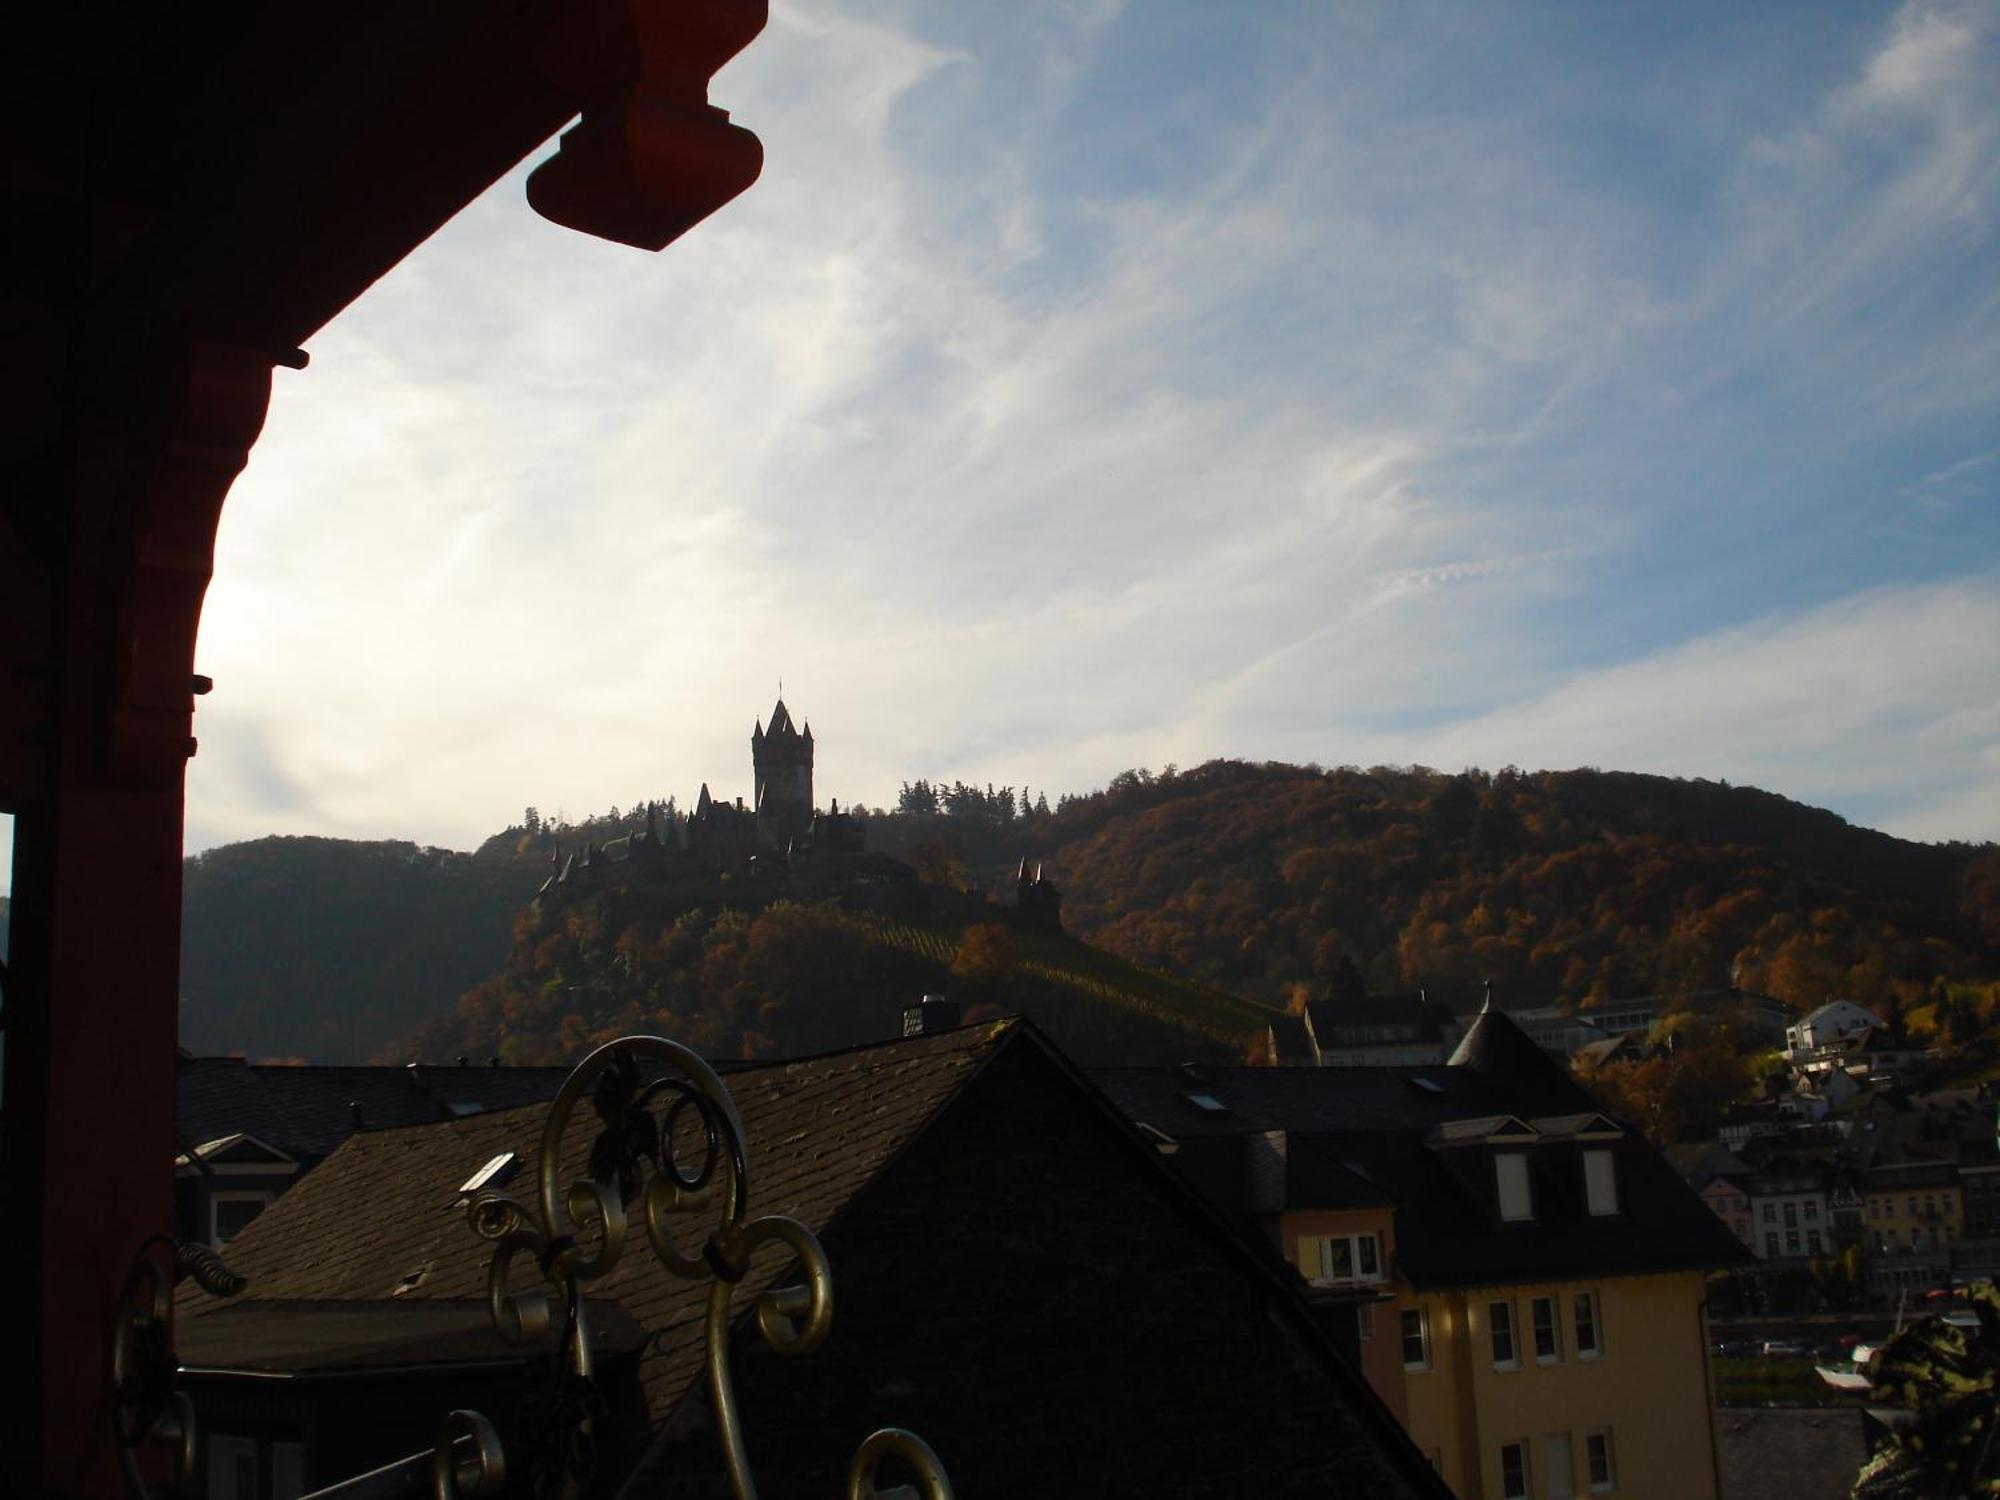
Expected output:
(1548, 1334)
(1364, 1320)
(1514, 1471)
(1812, 1211)
(1589, 1341)
(1501, 1316)
(1600, 1182)
(1791, 1242)
(1913, 1206)
(1791, 1216)
(1416, 1339)
(1603, 1470)
(1341, 1259)
(1511, 1171)
(1770, 1213)
(1770, 1247)
(1813, 1242)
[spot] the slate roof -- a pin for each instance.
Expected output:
(382, 1214)
(384, 1207)
(1384, 1126)
(1495, 1047)
(306, 1111)
(1780, 1454)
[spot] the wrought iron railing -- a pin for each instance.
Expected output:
(670, 1151)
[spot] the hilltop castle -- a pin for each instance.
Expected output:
(780, 844)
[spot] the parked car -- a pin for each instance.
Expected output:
(1786, 1349)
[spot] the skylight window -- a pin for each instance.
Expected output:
(1428, 1085)
(1207, 1103)
(493, 1174)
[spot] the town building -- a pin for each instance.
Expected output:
(1765, 1017)
(1379, 1029)
(1789, 1212)
(1825, 1025)
(1555, 1029)
(1524, 1277)
(1018, 1276)
(1728, 1198)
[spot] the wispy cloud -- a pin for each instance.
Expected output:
(1115, 386)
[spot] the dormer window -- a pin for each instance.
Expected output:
(1600, 1183)
(1510, 1170)
(1341, 1260)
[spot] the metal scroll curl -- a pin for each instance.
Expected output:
(148, 1411)
(670, 1145)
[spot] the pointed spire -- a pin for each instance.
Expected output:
(1488, 1006)
(705, 803)
(757, 734)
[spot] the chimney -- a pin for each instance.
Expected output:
(932, 1014)
(354, 1107)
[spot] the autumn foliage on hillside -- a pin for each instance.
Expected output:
(1577, 885)
(792, 979)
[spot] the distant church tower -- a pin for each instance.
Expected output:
(783, 758)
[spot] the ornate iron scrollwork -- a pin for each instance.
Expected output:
(147, 1411)
(577, 1232)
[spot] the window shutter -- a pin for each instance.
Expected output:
(1309, 1258)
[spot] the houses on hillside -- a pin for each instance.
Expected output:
(1523, 1278)
(1910, 1179)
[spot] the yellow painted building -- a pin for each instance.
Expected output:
(1525, 1277)
(1599, 1386)
(1913, 1207)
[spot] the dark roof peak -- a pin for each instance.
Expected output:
(1498, 1049)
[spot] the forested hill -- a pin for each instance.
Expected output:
(1246, 879)
(326, 948)
(1569, 884)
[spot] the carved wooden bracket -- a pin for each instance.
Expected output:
(651, 158)
(151, 702)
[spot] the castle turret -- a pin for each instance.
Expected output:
(782, 758)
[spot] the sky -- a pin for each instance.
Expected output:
(1092, 386)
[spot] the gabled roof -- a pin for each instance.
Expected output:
(860, 1145)
(1420, 1137)
(385, 1206)
(237, 1149)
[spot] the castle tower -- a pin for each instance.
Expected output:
(782, 757)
